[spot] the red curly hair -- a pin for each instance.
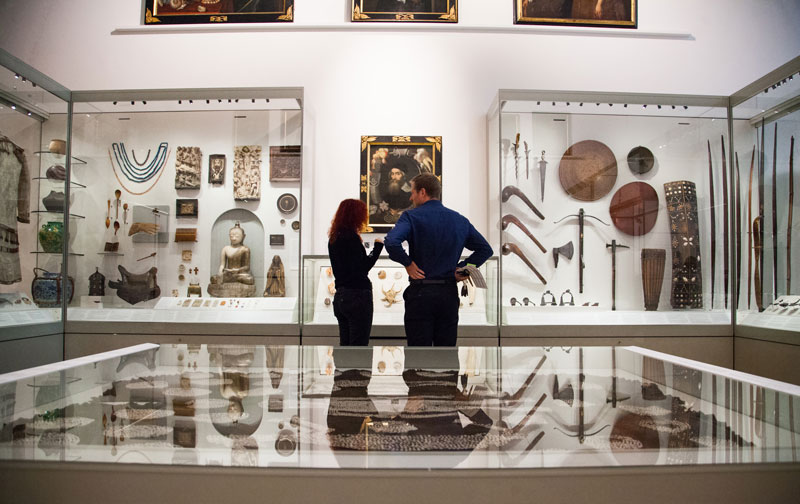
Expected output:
(351, 216)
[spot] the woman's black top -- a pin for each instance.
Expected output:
(350, 261)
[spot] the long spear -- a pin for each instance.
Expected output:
(789, 221)
(713, 223)
(725, 257)
(738, 225)
(775, 214)
(749, 231)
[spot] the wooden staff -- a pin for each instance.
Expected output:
(789, 225)
(738, 225)
(713, 224)
(775, 214)
(749, 233)
(725, 257)
(759, 248)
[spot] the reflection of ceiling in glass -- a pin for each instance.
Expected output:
(773, 96)
(25, 94)
(184, 105)
(595, 108)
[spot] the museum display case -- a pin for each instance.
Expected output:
(386, 407)
(612, 210)
(477, 312)
(192, 208)
(765, 124)
(36, 167)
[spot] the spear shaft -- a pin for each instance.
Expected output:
(713, 224)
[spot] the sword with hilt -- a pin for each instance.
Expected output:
(581, 215)
(516, 158)
(614, 246)
(542, 172)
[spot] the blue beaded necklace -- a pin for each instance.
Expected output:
(136, 173)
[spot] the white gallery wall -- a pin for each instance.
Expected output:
(382, 79)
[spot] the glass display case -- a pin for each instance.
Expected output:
(766, 124)
(192, 208)
(477, 313)
(35, 173)
(609, 210)
(385, 407)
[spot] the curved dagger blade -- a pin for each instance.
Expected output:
(511, 190)
(510, 219)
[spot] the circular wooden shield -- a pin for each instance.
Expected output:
(588, 170)
(634, 208)
(640, 160)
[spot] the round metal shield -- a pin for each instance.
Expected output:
(287, 203)
(640, 160)
(588, 170)
(634, 208)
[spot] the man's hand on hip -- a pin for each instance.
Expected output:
(414, 272)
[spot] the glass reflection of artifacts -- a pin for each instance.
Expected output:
(276, 279)
(233, 278)
(217, 11)
(216, 169)
(247, 173)
(14, 207)
(610, 13)
(441, 11)
(188, 162)
(387, 166)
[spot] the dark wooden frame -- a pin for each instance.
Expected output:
(186, 208)
(376, 165)
(221, 178)
(439, 11)
(154, 14)
(575, 13)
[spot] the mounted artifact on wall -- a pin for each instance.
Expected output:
(188, 162)
(588, 170)
(247, 173)
(135, 288)
(235, 264)
(687, 273)
(216, 169)
(285, 163)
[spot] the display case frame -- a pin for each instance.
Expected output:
(245, 115)
(569, 107)
(35, 336)
(767, 323)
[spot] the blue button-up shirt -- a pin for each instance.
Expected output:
(436, 237)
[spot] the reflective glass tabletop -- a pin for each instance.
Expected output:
(395, 407)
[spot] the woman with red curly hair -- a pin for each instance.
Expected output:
(352, 303)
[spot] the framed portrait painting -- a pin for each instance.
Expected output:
(429, 11)
(160, 12)
(604, 13)
(388, 163)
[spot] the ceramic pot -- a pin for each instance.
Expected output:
(48, 289)
(54, 202)
(58, 146)
(51, 237)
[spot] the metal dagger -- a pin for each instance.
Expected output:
(527, 164)
(542, 171)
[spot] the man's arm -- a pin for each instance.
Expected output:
(394, 241)
(481, 250)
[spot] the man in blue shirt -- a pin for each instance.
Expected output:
(436, 238)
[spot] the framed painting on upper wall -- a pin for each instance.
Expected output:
(388, 163)
(605, 13)
(429, 11)
(159, 12)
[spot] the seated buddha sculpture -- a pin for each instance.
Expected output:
(234, 278)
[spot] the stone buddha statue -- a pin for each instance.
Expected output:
(233, 278)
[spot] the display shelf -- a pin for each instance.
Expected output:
(72, 216)
(74, 254)
(74, 159)
(61, 182)
(116, 254)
